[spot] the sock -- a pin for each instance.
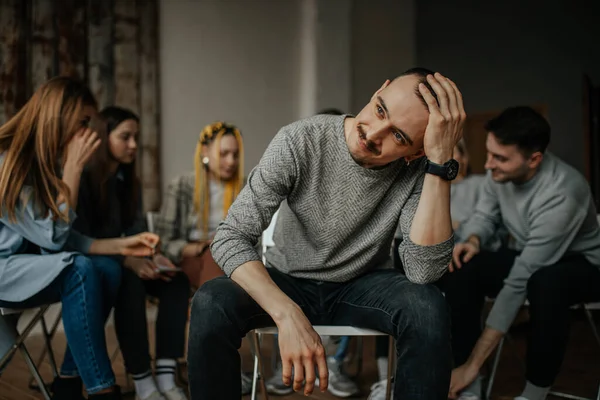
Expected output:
(382, 368)
(165, 374)
(532, 392)
(144, 384)
(475, 387)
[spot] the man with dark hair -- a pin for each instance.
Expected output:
(343, 183)
(547, 207)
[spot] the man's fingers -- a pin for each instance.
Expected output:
(298, 375)
(456, 256)
(441, 94)
(451, 267)
(429, 99)
(309, 377)
(459, 100)
(452, 101)
(286, 371)
(468, 256)
(322, 369)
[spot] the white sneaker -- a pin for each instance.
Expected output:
(378, 390)
(153, 396)
(246, 384)
(176, 393)
(468, 396)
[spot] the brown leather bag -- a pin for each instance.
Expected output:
(201, 269)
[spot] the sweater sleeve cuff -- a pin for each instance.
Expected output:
(505, 309)
(425, 264)
(79, 242)
(232, 261)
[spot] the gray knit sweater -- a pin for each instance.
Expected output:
(339, 218)
(550, 216)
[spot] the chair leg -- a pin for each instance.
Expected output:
(34, 371)
(48, 335)
(490, 384)
(258, 372)
(590, 318)
(390, 371)
(359, 356)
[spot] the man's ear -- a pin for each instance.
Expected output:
(535, 159)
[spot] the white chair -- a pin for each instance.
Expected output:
(12, 340)
(322, 330)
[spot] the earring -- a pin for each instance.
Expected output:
(408, 163)
(205, 161)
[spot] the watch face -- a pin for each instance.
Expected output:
(452, 169)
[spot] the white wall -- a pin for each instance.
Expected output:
(230, 61)
(261, 64)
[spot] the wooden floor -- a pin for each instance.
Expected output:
(580, 374)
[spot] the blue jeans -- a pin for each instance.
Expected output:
(415, 315)
(87, 290)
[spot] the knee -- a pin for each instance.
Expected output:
(82, 270)
(543, 290)
(425, 315)
(212, 308)
(182, 284)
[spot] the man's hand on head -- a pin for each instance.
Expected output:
(446, 119)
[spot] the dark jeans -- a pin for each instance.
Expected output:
(86, 289)
(416, 315)
(131, 324)
(551, 292)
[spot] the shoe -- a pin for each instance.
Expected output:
(176, 393)
(153, 396)
(246, 384)
(340, 384)
(378, 391)
(468, 396)
(114, 395)
(275, 384)
(67, 388)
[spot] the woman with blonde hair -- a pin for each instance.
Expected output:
(43, 150)
(196, 202)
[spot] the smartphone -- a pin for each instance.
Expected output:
(164, 268)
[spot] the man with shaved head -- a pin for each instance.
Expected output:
(342, 184)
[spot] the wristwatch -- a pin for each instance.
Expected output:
(446, 171)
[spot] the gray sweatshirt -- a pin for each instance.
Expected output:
(549, 216)
(339, 218)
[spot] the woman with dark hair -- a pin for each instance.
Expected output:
(110, 205)
(43, 150)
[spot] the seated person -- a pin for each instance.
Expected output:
(110, 205)
(195, 203)
(340, 384)
(48, 138)
(347, 182)
(547, 208)
(464, 193)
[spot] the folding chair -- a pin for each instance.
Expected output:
(322, 330)
(587, 307)
(12, 340)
